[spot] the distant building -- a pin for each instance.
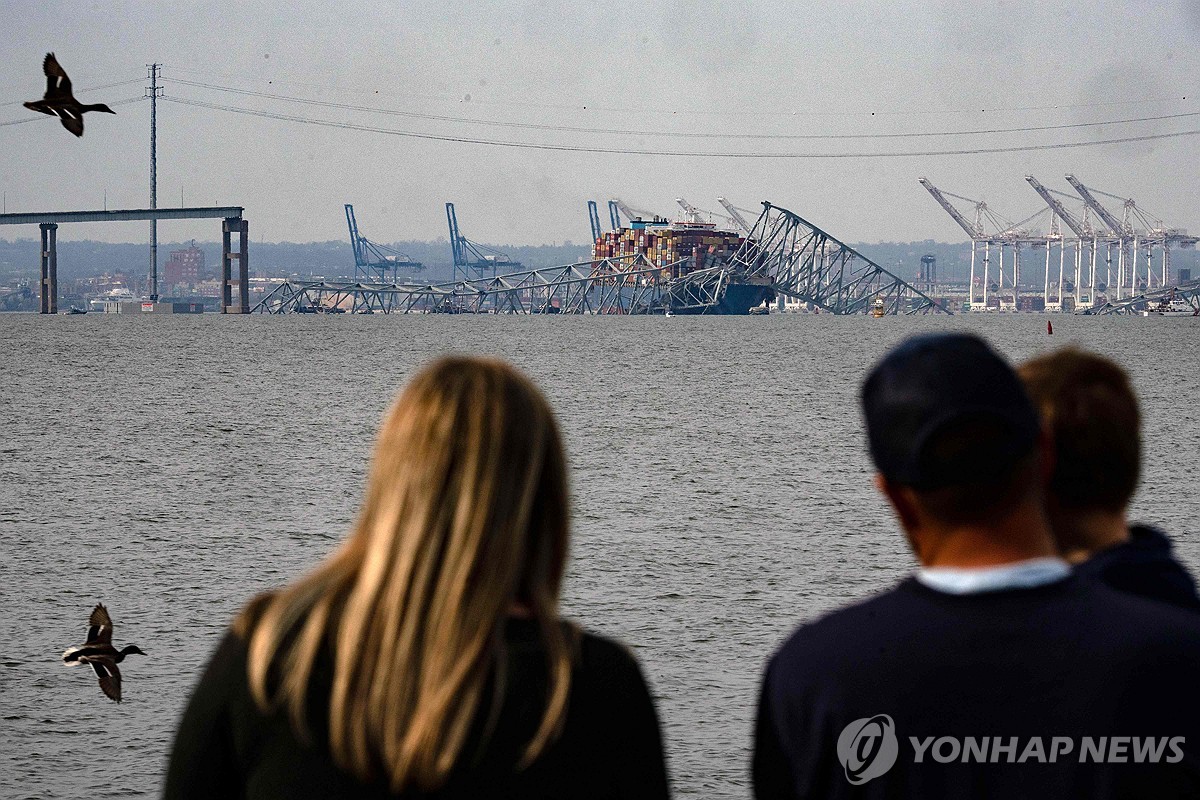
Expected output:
(185, 267)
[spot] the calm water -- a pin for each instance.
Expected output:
(172, 467)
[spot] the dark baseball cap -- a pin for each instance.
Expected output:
(943, 410)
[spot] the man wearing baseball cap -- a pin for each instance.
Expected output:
(993, 670)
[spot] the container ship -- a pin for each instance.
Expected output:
(681, 248)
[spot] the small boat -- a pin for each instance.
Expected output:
(76, 310)
(877, 308)
(110, 302)
(1171, 306)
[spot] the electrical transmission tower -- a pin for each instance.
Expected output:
(154, 92)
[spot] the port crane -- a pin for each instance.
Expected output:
(472, 257)
(1083, 232)
(1116, 227)
(973, 230)
(735, 214)
(692, 212)
(594, 219)
(614, 215)
(630, 212)
(698, 214)
(1007, 235)
(782, 255)
(1130, 240)
(1116, 234)
(375, 262)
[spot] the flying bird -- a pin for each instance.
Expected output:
(98, 651)
(59, 102)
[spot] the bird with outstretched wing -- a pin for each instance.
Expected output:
(99, 653)
(59, 101)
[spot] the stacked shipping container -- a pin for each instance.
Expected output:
(697, 245)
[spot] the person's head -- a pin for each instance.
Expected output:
(465, 522)
(1089, 408)
(953, 436)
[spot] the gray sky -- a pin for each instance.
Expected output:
(753, 68)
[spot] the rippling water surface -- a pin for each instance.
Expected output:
(171, 467)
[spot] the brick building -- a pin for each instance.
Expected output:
(185, 267)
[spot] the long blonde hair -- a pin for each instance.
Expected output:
(466, 517)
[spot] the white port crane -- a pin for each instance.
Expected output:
(1083, 231)
(974, 232)
(699, 214)
(693, 213)
(735, 215)
(1131, 240)
(1116, 227)
(633, 213)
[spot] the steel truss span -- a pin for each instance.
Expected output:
(629, 285)
(782, 255)
(1179, 299)
(804, 262)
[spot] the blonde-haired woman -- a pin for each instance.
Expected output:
(425, 658)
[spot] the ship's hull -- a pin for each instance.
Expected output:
(736, 300)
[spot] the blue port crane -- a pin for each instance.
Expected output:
(473, 257)
(594, 218)
(375, 262)
(614, 215)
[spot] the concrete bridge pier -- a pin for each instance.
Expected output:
(49, 285)
(241, 227)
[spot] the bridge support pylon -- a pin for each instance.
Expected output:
(49, 285)
(241, 227)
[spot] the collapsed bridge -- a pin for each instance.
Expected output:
(782, 255)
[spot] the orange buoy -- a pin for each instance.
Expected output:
(1049, 327)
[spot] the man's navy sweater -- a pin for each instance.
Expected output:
(1070, 659)
(1145, 566)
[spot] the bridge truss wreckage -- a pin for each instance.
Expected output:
(629, 285)
(1181, 300)
(804, 262)
(782, 255)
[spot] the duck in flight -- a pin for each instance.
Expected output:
(59, 102)
(98, 651)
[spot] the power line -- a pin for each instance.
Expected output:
(862, 109)
(676, 134)
(673, 153)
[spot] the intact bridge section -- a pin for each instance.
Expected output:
(232, 223)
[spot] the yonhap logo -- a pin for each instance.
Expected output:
(868, 748)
